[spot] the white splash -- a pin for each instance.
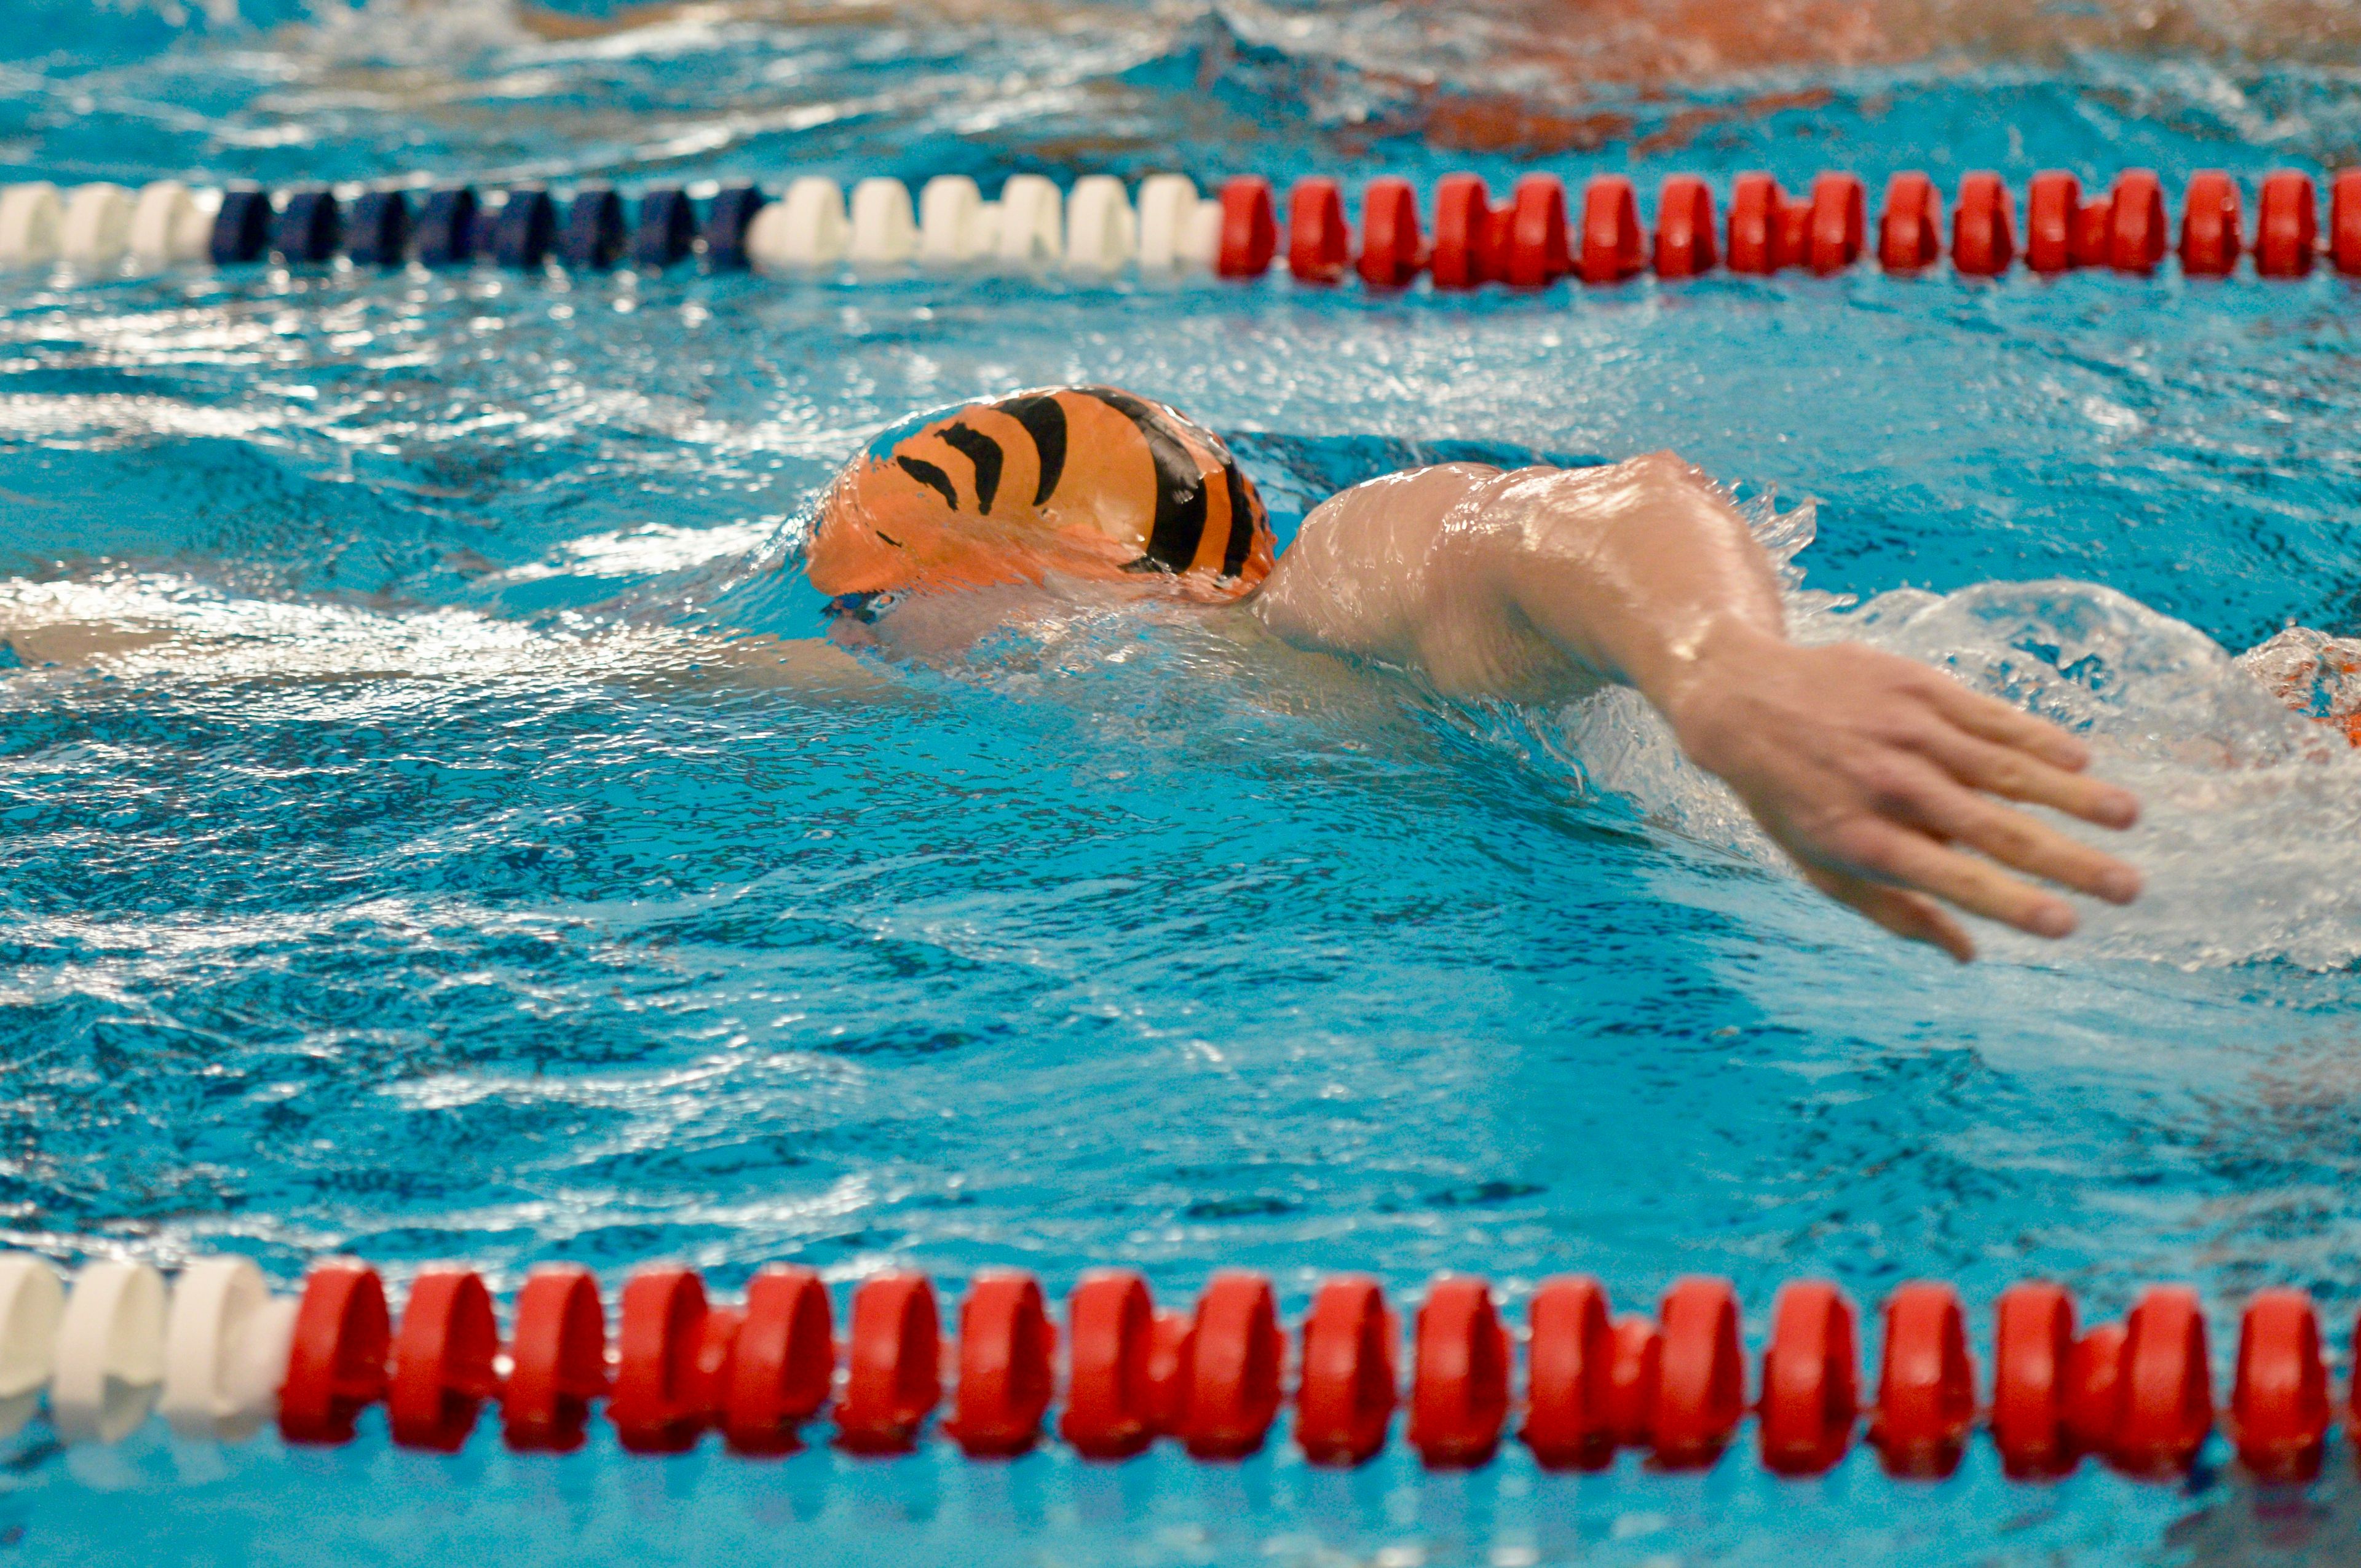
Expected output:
(156, 628)
(2251, 833)
(648, 550)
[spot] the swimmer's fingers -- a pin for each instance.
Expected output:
(1894, 854)
(1911, 915)
(2015, 840)
(2009, 772)
(1990, 719)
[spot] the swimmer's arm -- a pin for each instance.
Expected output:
(1875, 772)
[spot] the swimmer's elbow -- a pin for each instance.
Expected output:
(1636, 485)
(1666, 469)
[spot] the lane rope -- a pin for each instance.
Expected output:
(1533, 238)
(219, 1357)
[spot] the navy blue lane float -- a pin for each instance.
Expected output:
(523, 227)
(378, 233)
(592, 239)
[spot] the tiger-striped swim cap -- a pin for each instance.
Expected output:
(1084, 481)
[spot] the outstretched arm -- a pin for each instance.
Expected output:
(1875, 772)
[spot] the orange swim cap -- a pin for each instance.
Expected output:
(1086, 481)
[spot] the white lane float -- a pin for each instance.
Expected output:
(94, 227)
(225, 1348)
(1100, 229)
(31, 1301)
(884, 226)
(110, 1351)
(162, 210)
(29, 215)
(804, 231)
(1178, 230)
(1032, 221)
(956, 225)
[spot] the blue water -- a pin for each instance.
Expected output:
(423, 833)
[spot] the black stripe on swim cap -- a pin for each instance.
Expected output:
(934, 478)
(1044, 420)
(985, 453)
(1242, 522)
(1180, 487)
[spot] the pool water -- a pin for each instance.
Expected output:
(428, 834)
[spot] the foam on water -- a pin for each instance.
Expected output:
(2250, 836)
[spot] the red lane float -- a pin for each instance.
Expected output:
(1233, 1365)
(1171, 1349)
(1633, 1380)
(1569, 1373)
(1110, 1329)
(2167, 1393)
(660, 1399)
(1393, 251)
(2095, 1390)
(894, 1376)
(337, 1358)
(2210, 240)
(1756, 206)
(1910, 229)
(557, 1361)
(2093, 232)
(1837, 219)
(2345, 223)
(1613, 246)
(1346, 1390)
(2136, 236)
(1983, 227)
(1701, 1374)
(1319, 246)
(2278, 1401)
(1685, 228)
(1533, 253)
(714, 1349)
(1459, 1389)
(441, 1368)
(782, 1363)
(1925, 1383)
(1462, 258)
(1810, 1382)
(2033, 1348)
(1005, 1379)
(1250, 228)
(2053, 211)
(2287, 225)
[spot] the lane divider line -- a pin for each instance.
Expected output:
(219, 1357)
(1537, 237)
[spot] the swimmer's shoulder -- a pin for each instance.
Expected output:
(1355, 577)
(1409, 485)
(1404, 497)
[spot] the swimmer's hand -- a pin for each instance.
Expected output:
(1879, 775)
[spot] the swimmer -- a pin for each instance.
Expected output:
(1885, 780)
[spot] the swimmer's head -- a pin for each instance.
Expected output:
(1078, 482)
